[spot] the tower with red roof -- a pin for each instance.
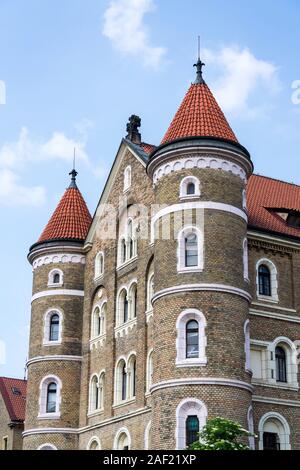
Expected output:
(55, 349)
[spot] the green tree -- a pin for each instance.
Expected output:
(221, 434)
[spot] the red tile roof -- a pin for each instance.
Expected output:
(148, 148)
(15, 403)
(71, 219)
(199, 115)
(266, 193)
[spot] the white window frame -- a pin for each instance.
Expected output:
(273, 298)
(47, 444)
(99, 265)
(188, 407)
(247, 346)
(96, 394)
(183, 319)
(245, 260)
(91, 441)
(129, 379)
(121, 431)
(147, 436)
(127, 179)
(51, 275)
(183, 188)
(47, 319)
(244, 199)
(284, 437)
(43, 397)
(149, 371)
(102, 308)
(250, 421)
(181, 267)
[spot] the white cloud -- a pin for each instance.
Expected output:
(13, 193)
(124, 26)
(243, 76)
(16, 156)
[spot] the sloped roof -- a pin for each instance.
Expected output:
(70, 220)
(13, 392)
(199, 115)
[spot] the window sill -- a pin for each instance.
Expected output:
(98, 278)
(188, 197)
(275, 385)
(55, 285)
(266, 298)
(97, 340)
(124, 403)
(128, 262)
(91, 414)
(49, 416)
(125, 328)
(191, 362)
(52, 343)
(194, 269)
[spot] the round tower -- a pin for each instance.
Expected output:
(54, 364)
(201, 299)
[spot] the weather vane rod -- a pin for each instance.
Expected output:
(199, 65)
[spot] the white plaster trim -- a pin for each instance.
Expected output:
(274, 315)
(283, 422)
(57, 258)
(201, 381)
(53, 358)
(34, 431)
(275, 385)
(197, 205)
(121, 431)
(126, 263)
(199, 161)
(98, 340)
(47, 444)
(284, 309)
(201, 287)
(188, 406)
(147, 436)
(115, 419)
(125, 328)
(124, 403)
(48, 293)
(280, 240)
(94, 439)
(276, 401)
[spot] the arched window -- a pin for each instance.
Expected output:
(147, 437)
(247, 346)
(122, 440)
(99, 265)
(150, 291)
(274, 432)
(189, 187)
(245, 260)
(101, 390)
(123, 250)
(191, 416)
(264, 277)
(130, 239)
(54, 327)
(94, 444)
(131, 377)
(55, 278)
(149, 371)
(51, 397)
(123, 308)
(280, 357)
(250, 421)
(266, 280)
(192, 429)
(190, 250)
(192, 339)
(133, 300)
(124, 382)
(127, 178)
(47, 447)
(94, 393)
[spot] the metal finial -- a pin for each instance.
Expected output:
(73, 173)
(199, 65)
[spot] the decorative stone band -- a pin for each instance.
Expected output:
(205, 161)
(58, 357)
(57, 258)
(199, 205)
(56, 292)
(202, 381)
(115, 419)
(201, 287)
(31, 432)
(276, 401)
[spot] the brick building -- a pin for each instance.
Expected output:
(177, 302)
(12, 412)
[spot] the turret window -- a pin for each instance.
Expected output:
(192, 429)
(280, 358)
(55, 278)
(191, 339)
(191, 415)
(190, 250)
(52, 327)
(189, 187)
(50, 397)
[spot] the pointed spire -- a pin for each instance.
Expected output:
(73, 173)
(199, 64)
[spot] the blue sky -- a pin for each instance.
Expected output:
(75, 70)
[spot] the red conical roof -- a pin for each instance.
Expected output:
(199, 115)
(71, 219)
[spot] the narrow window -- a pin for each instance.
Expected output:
(271, 441)
(192, 430)
(130, 240)
(280, 357)
(133, 378)
(123, 251)
(56, 278)
(125, 318)
(264, 278)
(190, 190)
(124, 382)
(54, 328)
(51, 398)
(191, 250)
(192, 339)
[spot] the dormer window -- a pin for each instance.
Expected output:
(293, 219)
